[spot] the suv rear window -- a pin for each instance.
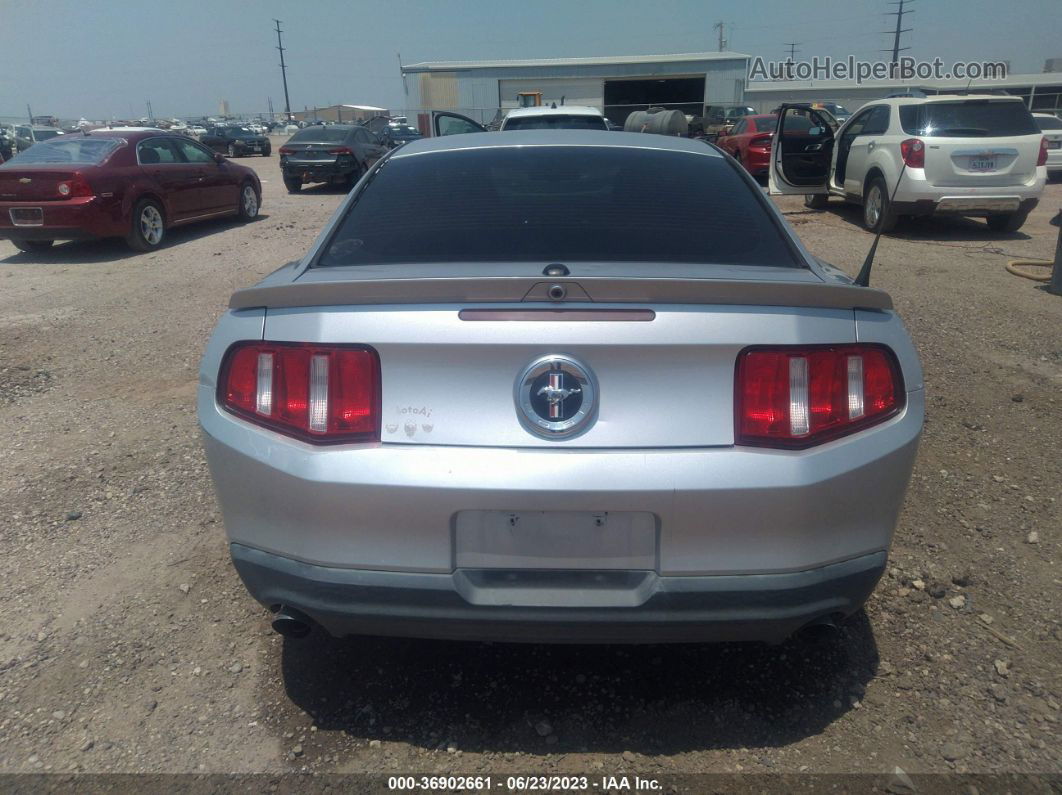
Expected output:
(1049, 124)
(978, 118)
(556, 122)
(558, 204)
(69, 149)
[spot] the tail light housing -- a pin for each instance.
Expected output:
(800, 396)
(286, 150)
(913, 152)
(1041, 159)
(74, 187)
(322, 394)
(341, 150)
(763, 142)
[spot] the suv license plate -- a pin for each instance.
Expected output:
(27, 216)
(1054, 144)
(982, 164)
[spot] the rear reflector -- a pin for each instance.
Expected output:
(318, 393)
(801, 396)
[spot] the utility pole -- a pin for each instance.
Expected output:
(898, 13)
(272, 116)
(792, 45)
(151, 113)
(722, 41)
(29, 114)
(283, 71)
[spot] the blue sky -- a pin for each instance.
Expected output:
(100, 58)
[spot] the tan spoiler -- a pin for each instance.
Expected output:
(595, 289)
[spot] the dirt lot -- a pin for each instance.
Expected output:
(127, 642)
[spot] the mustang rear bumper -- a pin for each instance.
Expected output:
(559, 606)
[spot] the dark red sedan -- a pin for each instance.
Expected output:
(134, 184)
(750, 142)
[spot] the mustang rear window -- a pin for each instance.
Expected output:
(558, 204)
(976, 118)
(69, 149)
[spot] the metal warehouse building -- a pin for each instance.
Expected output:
(617, 85)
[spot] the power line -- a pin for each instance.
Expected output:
(283, 71)
(898, 13)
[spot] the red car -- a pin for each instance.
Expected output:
(750, 142)
(134, 184)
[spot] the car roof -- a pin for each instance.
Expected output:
(943, 98)
(1045, 116)
(560, 110)
(517, 138)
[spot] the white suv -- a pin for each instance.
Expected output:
(566, 117)
(1051, 127)
(971, 155)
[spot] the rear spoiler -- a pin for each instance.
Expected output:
(595, 289)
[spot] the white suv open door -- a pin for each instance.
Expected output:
(802, 151)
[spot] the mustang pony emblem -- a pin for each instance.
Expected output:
(556, 396)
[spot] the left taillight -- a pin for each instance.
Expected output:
(76, 186)
(322, 394)
(797, 397)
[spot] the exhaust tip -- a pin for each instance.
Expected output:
(824, 628)
(291, 624)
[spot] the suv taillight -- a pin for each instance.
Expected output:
(77, 185)
(913, 152)
(802, 396)
(1042, 159)
(323, 394)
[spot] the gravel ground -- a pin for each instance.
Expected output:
(127, 642)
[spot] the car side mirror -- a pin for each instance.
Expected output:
(219, 158)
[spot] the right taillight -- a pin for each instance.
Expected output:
(1041, 160)
(801, 396)
(761, 143)
(913, 152)
(323, 394)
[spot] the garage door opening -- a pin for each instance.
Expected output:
(623, 97)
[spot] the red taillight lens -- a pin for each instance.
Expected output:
(318, 393)
(341, 150)
(802, 396)
(913, 152)
(761, 143)
(76, 186)
(286, 150)
(1041, 160)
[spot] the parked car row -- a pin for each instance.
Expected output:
(134, 183)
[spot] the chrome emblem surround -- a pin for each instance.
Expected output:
(25, 180)
(556, 396)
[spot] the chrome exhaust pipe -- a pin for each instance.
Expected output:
(291, 623)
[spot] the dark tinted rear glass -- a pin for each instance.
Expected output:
(44, 135)
(320, 135)
(558, 204)
(967, 119)
(69, 149)
(565, 122)
(1049, 124)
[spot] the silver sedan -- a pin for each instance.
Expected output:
(564, 386)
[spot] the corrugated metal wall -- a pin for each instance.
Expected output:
(479, 93)
(574, 90)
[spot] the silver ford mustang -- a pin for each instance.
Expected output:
(559, 386)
